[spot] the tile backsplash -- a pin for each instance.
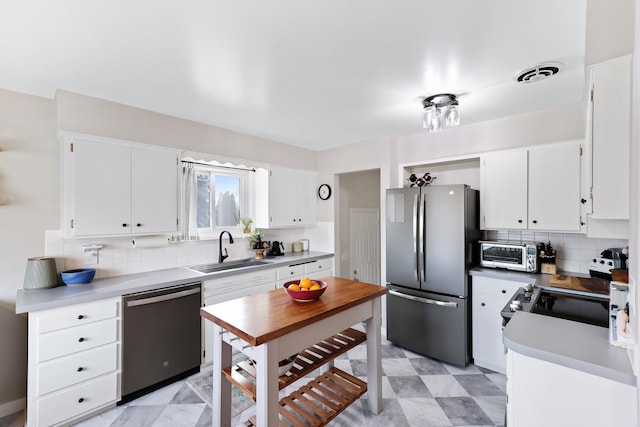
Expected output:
(118, 256)
(574, 252)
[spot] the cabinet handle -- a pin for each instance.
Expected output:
(482, 304)
(504, 291)
(125, 225)
(138, 225)
(534, 221)
(519, 221)
(80, 317)
(80, 339)
(80, 369)
(583, 201)
(81, 400)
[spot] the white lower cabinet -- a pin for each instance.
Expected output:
(541, 393)
(489, 296)
(313, 270)
(228, 288)
(74, 362)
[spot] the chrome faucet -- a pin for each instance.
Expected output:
(221, 257)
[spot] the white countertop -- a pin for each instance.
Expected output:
(42, 299)
(537, 279)
(571, 344)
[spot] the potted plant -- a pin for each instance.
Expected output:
(245, 224)
(255, 239)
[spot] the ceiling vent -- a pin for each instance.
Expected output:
(538, 72)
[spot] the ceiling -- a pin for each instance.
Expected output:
(315, 74)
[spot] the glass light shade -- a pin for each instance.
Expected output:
(435, 125)
(429, 114)
(452, 118)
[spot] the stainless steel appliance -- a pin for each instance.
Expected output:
(592, 309)
(609, 259)
(510, 255)
(432, 240)
(161, 338)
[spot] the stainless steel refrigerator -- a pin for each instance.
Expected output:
(432, 234)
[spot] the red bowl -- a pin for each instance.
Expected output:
(305, 295)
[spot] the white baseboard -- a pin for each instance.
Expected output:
(9, 408)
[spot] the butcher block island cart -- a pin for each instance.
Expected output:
(270, 327)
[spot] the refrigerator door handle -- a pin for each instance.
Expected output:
(416, 231)
(447, 304)
(421, 238)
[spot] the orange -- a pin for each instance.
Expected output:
(305, 282)
(314, 287)
(304, 289)
(294, 287)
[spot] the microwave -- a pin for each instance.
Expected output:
(510, 255)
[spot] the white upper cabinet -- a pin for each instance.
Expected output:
(608, 138)
(536, 188)
(116, 188)
(554, 187)
(285, 197)
(503, 189)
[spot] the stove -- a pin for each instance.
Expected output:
(591, 309)
(523, 300)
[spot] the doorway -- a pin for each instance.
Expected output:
(357, 226)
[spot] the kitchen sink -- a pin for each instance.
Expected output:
(213, 268)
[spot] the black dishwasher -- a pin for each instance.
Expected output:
(161, 338)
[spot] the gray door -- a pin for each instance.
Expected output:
(445, 240)
(401, 233)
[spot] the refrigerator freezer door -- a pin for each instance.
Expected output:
(447, 239)
(429, 324)
(402, 230)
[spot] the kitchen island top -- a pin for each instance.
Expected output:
(43, 299)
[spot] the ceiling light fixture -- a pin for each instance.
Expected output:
(437, 107)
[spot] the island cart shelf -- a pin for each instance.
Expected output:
(320, 400)
(243, 374)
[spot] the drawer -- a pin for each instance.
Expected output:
(290, 272)
(236, 283)
(238, 293)
(78, 400)
(79, 314)
(72, 340)
(67, 371)
(323, 264)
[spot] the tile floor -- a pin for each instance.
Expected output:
(417, 392)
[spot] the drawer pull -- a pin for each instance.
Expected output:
(81, 400)
(80, 369)
(504, 291)
(81, 339)
(80, 317)
(482, 304)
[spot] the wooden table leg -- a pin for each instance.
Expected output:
(221, 388)
(374, 359)
(267, 384)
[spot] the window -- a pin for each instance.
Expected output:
(221, 199)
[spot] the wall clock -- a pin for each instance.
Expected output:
(324, 191)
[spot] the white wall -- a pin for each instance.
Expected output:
(28, 206)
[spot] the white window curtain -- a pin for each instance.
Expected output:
(188, 198)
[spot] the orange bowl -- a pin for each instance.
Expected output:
(305, 295)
